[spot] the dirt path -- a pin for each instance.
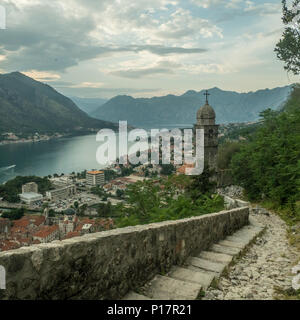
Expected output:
(265, 267)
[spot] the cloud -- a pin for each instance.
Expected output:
(94, 85)
(31, 42)
(42, 76)
(209, 3)
(107, 92)
(263, 8)
(244, 7)
(183, 25)
(162, 50)
(162, 67)
(65, 39)
(141, 73)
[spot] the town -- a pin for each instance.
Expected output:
(72, 206)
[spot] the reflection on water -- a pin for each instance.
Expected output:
(55, 156)
(48, 157)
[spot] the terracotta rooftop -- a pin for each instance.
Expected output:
(6, 245)
(46, 231)
(72, 234)
(94, 172)
(185, 166)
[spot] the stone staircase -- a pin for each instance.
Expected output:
(188, 282)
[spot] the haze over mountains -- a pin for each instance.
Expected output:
(88, 105)
(27, 105)
(173, 111)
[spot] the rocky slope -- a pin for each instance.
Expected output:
(27, 105)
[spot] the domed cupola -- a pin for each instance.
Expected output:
(206, 114)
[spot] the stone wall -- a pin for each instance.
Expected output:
(106, 265)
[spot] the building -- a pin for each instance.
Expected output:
(182, 169)
(67, 225)
(206, 120)
(30, 197)
(30, 187)
(4, 227)
(61, 193)
(47, 234)
(95, 178)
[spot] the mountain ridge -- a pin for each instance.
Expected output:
(230, 106)
(27, 105)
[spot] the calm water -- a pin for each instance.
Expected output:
(55, 156)
(48, 157)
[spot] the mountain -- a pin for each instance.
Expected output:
(180, 111)
(28, 106)
(88, 105)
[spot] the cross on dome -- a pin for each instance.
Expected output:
(206, 94)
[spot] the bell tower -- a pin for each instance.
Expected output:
(206, 120)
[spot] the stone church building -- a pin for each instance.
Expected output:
(206, 120)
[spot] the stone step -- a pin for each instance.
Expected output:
(225, 250)
(238, 240)
(208, 265)
(248, 231)
(135, 296)
(215, 257)
(166, 288)
(234, 244)
(192, 275)
(245, 236)
(208, 276)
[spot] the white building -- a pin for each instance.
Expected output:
(61, 193)
(95, 178)
(30, 197)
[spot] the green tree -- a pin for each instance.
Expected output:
(76, 205)
(288, 48)
(12, 188)
(202, 184)
(14, 214)
(167, 169)
(153, 202)
(268, 167)
(120, 193)
(226, 152)
(110, 175)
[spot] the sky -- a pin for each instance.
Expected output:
(144, 48)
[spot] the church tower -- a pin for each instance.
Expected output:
(206, 120)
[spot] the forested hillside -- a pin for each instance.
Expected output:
(29, 106)
(268, 166)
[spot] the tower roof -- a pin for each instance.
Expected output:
(206, 112)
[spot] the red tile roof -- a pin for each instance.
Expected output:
(29, 219)
(72, 235)
(46, 231)
(6, 245)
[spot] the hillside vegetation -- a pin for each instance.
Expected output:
(29, 106)
(11, 189)
(268, 165)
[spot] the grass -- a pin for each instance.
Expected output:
(289, 294)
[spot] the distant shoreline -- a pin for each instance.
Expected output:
(47, 138)
(7, 142)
